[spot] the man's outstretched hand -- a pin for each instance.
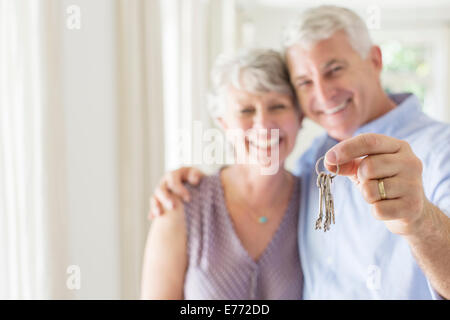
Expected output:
(370, 158)
(170, 188)
(405, 210)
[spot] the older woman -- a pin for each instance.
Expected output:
(237, 236)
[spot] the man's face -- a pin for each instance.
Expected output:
(335, 86)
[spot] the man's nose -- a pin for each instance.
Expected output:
(324, 92)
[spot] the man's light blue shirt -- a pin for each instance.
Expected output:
(359, 258)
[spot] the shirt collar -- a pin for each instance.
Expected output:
(408, 106)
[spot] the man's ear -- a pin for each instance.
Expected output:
(376, 58)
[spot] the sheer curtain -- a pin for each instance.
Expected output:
(194, 33)
(165, 54)
(32, 196)
(141, 127)
(35, 237)
(156, 74)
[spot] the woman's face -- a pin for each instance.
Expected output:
(256, 115)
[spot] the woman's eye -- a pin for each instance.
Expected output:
(247, 110)
(277, 107)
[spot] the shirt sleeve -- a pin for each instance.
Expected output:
(434, 294)
(437, 178)
(437, 187)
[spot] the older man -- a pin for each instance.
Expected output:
(395, 156)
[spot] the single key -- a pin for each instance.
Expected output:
(326, 224)
(330, 197)
(319, 185)
(329, 200)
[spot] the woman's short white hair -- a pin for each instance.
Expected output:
(320, 23)
(254, 70)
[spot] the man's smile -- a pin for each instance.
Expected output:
(340, 107)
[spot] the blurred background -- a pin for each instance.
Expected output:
(94, 95)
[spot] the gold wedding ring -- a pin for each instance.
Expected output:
(381, 189)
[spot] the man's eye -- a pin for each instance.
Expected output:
(335, 69)
(304, 83)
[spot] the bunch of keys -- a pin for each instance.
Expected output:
(324, 181)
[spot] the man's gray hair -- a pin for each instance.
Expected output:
(320, 23)
(255, 71)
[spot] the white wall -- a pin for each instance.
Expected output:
(91, 132)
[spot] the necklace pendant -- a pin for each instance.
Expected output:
(262, 219)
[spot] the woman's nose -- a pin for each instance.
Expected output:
(263, 120)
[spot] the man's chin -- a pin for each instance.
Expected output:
(340, 133)
(342, 127)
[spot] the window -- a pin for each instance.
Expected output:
(407, 68)
(416, 60)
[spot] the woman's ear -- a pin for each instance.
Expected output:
(222, 123)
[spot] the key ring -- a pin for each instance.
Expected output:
(317, 169)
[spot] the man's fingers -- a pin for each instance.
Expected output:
(400, 208)
(165, 197)
(175, 185)
(372, 167)
(379, 166)
(194, 176)
(171, 187)
(393, 187)
(155, 208)
(176, 178)
(390, 209)
(362, 145)
(346, 169)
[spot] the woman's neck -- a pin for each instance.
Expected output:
(246, 183)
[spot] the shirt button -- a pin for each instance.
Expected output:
(330, 261)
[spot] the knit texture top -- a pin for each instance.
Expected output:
(220, 268)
